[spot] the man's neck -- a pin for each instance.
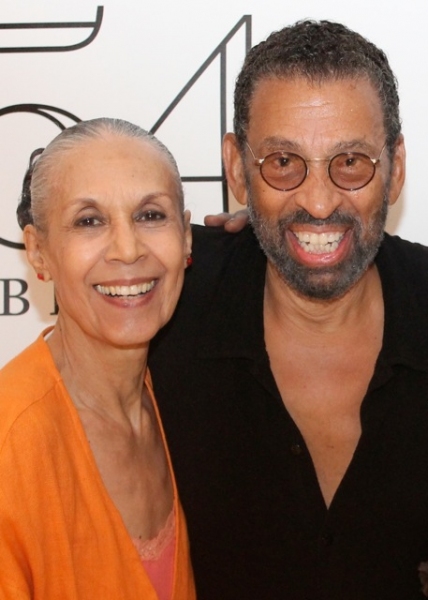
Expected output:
(285, 305)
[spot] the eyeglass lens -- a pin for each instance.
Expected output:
(286, 171)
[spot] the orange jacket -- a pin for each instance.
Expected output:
(61, 537)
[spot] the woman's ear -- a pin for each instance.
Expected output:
(187, 234)
(234, 168)
(35, 254)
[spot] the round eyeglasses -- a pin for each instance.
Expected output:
(285, 171)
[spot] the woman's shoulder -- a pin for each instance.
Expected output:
(26, 380)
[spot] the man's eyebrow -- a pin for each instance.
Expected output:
(353, 145)
(274, 143)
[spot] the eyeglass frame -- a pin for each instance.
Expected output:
(258, 162)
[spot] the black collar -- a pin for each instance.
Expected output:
(236, 315)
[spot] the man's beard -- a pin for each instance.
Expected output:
(322, 283)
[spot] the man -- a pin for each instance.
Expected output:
(293, 380)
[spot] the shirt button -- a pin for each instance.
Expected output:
(296, 449)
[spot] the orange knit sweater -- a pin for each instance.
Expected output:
(61, 537)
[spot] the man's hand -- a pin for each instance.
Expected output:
(233, 223)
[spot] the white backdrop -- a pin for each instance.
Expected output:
(176, 61)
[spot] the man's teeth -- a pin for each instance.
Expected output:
(319, 243)
(125, 290)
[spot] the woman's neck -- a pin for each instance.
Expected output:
(98, 376)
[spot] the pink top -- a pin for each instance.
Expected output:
(157, 556)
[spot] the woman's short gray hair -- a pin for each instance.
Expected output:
(38, 179)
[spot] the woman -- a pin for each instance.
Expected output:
(88, 503)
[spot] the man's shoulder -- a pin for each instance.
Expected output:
(217, 257)
(403, 258)
(396, 243)
(223, 266)
(403, 268)
(214, 243)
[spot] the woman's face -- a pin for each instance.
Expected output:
(116, 244)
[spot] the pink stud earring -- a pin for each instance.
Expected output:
(189, 261)
(40, 276)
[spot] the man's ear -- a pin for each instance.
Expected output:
(234, 167)
(35, 255)
(398, 170)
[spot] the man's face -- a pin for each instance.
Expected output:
(319, 238)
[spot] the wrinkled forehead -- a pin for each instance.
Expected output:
(107, 147)
(348, 108)
(329, 86)
(109, 155)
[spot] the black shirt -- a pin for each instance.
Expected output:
(258, 525)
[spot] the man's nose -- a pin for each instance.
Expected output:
(318, 195)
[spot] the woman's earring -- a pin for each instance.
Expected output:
(189, 261)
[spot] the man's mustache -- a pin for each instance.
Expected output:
(302, 217)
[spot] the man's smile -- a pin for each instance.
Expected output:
(318, 243)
